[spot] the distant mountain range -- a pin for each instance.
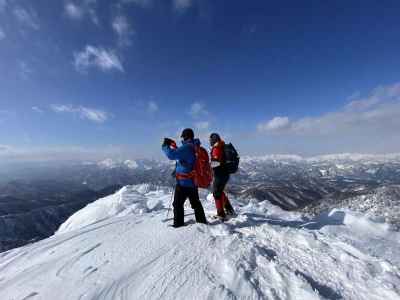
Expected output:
(36, 198)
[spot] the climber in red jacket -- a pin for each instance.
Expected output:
(221, 177)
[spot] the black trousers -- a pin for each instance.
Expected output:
(221, 178)
(219, 183)
(181, 194)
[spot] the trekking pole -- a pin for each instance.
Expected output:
(173, 191)
(170, 204)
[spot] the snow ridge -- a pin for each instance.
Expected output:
(137, 200)
(120, 248)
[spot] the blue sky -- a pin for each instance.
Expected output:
(92, 78)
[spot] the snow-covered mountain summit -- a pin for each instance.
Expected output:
(110, 163)
(119, 247)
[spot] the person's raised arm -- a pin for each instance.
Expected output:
(171, 151)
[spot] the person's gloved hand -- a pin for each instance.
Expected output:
(167, 142)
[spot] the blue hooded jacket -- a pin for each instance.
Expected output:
(185, 157)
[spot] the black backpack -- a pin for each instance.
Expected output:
(231, 159)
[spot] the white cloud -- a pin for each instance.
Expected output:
(4, 148)
(378, 95)
(362, 104)
(74, 11)
(5, 115)
(27, 17)
(181, 5)
(178, 6)
(202, 125)
(94, 115)
(91, 114)
(353, 96)
(142, 3)
(120, 25)
(378, 114)
(37, 109)
(58, 153)
(24, 69)
(2, 34)
(198, 109)
(79, 11)
(152, 107)
(62, 108)
(123, 29)
(3, 4)
(275, 124)
(93, 16)
(105, 60)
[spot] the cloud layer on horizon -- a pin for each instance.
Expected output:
(62, 153)
(378, 112)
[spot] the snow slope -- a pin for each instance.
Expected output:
(120, 248)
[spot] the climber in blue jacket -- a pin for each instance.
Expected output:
(185, 187)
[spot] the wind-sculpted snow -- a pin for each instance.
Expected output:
(128, 252)
(136, 199)
(381, 203)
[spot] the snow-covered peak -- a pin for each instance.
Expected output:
(271, 157)
(131, 164)
(107, 163)
(356, 157)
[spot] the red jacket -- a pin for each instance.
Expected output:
(217, 154)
